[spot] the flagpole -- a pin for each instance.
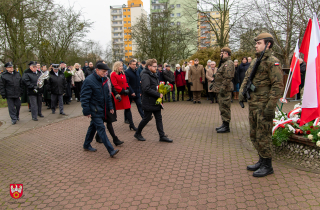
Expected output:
(294, 68)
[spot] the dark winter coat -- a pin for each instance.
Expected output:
(11, 85)
(140, 69)
(303, 67)
(30, 80)
(133, 79)
(57, 84)
(242, 71)
(88, 71)
(84, 69)
(168, 76)
(150, 95)
(111, 117)
(95, 98)
(160, 76)
(180, 78)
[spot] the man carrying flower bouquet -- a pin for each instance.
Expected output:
(150, 95)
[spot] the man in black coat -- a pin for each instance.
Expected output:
(11, 89)
(303, 67)
(149, 83)
(96, 102)
(133, 79)
(30, 79)
(57, 85)
(84, 69)
(168, 76)
(89, 70)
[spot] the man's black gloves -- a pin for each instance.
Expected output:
(126, 92)
(203, 82)
(191, 84)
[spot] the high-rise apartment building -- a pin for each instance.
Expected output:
(122, 19)
(207, 37)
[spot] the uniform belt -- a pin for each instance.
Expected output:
(261, 89)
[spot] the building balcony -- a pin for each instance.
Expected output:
(116, 13)
(115, 19)
(117, 24)
(117, 37)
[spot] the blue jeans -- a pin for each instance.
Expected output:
(137, 100)
(97, 124)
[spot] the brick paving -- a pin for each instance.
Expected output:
(199, 170)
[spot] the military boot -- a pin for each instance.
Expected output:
(255, 166)
(217, 128)
(225, 128)
(265, 168)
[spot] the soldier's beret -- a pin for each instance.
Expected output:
(226, 49)
(102, 66)
(32, 63)
(8, 65)
(263, 36)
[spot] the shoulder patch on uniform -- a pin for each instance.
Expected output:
(276, 64)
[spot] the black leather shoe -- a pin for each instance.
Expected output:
(91, 149)
(151, 118)
(189, 99)
(67, 103)
(194, 102)
(126, 122)
(166, 139)
(18, 119)
(98, 139)
(114, 152)
(255, 166)
(48, 107)
(62, 113)
(40, 115)
(29, 110)
(13, 122)
(132, 128)
(53, 112)
(139, 137)
(34, 119)
(175, 100)
(225, 128)
(199, 102)
(265, 168)
(117, 142)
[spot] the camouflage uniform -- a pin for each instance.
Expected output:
(269, 83)
(223, 82)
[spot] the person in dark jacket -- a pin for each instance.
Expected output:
(30, 79)
(142, 67)
(242, 69)
(11, 89)
(168, 76)
(149, 83)
(133, 79)
(89, 70)
(180, 81)
(303, 67)
(96, 102)
(160, 73)
(84, 69)
(46, 94)
(235, 80)
(57, 85)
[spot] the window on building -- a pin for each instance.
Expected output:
(128, 10)
(130, 45)
(126, 45)
(120, 28)
(124, 16)
(129, 21)
(172, 15)
(120, 16)
(125, 39)
(130, 50)
(178, 15)
(125, 21)
(115, 34)
(114, 22)
(178, 23)
(126, 56)
(178, 5)
(115, 28)
(126, 51)
(114, 17)
(128, 15)
(124, 10)
(114, 11)
(172, 5)
(125, 28)
(120, 22)
(129, 27)
(129, 34)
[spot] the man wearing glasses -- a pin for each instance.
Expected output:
(223, 86)
(149, 83)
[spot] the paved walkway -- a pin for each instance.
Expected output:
(200, 170)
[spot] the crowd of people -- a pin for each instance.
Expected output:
(102, 92)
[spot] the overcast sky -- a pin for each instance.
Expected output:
(98, 11)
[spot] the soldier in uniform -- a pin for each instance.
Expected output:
(223, 86)
(269, 87)
(196, 80)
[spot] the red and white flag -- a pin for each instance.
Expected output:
(295, 68)
(311, 95)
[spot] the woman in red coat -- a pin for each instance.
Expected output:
(119, 81)
(179, 77)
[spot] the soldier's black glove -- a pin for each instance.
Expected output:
(118, 97)
(191, 84)
(268, 114)
(241, 97)
(211, 86)
(203, 82)
(126, 92)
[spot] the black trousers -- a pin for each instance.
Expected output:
(146, 119)
(189, 89)
(128, 116)
(77, 89)
(14, 105)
